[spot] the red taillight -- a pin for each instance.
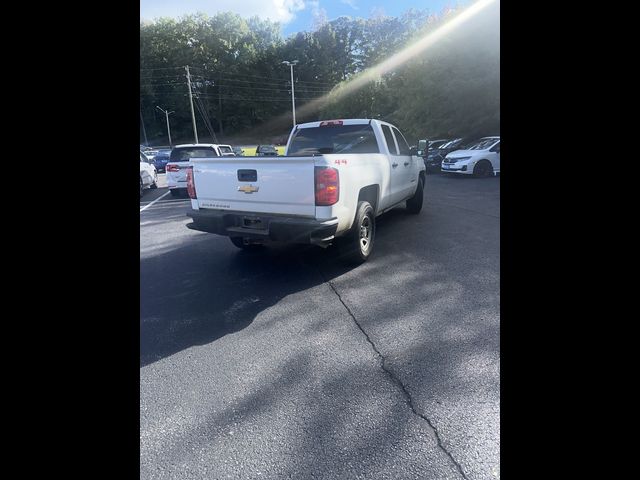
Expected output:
(172, 168)
(327, 186)
(191, 187)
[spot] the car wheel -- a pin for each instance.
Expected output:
(155, 181)
(414, 204)
(356, 247)
(483, 168)
(240, 243)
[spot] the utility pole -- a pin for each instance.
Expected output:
(146, 142)
(293, 98)
(166, 114)
(220, 105)
(193, 115)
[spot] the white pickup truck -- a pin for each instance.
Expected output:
(335, 178)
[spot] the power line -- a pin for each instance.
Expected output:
(162, 68)
(255, 82)
(227, 74)
(259, 99)
(162, 84)
(207, 122)
(242, 75)
(287, 90)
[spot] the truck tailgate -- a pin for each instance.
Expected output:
(280, 185)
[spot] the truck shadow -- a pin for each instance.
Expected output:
(206, 288)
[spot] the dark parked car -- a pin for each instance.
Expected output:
(433, 147)
(161, 159)
(433, 144)
(238, 151)
(433, 161)
(266, 151)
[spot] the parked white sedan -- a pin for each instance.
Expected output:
(179, 162)
(480, 159)
(148, 174)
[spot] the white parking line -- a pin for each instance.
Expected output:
(161, 196)
(177, 200)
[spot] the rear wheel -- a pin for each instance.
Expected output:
(357, 245)
(155, 181)
(414, 204)
(483, 168)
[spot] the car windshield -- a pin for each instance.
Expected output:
(184, 154)
(334, 139)
(482, 144)
(267, 148)
(452, 143)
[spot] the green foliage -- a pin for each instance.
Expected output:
(452, 89)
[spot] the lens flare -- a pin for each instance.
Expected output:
(371, 74)
(403, 56)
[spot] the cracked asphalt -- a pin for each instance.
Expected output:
(287, 364)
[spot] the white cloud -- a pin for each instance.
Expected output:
(315, 8)
(277, 10)
(351, 3)
(377, 12)
(318, 14)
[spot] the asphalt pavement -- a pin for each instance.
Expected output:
(285, 363)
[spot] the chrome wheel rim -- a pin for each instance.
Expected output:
(365, 234)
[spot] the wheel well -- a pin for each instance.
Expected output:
(370, 194)
(422, 175)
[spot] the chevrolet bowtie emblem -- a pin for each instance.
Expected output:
(248, 188)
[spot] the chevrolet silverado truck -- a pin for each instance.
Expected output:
(335, 178)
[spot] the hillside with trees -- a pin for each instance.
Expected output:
(242, 90)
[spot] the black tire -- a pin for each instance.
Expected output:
(356, 247)
(414, 204)
(483, 169)
(239, 242)
(155, 181)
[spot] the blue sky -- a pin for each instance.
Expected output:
(294, 15)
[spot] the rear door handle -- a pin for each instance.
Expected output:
(406, 163)
(394, 165)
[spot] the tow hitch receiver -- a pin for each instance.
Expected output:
(252, 222)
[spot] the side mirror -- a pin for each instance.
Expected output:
(422, 145)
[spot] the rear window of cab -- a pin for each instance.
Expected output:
(187, 153)
(341, 139)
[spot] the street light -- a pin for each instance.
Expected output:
(293, 98)
(166, 114)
